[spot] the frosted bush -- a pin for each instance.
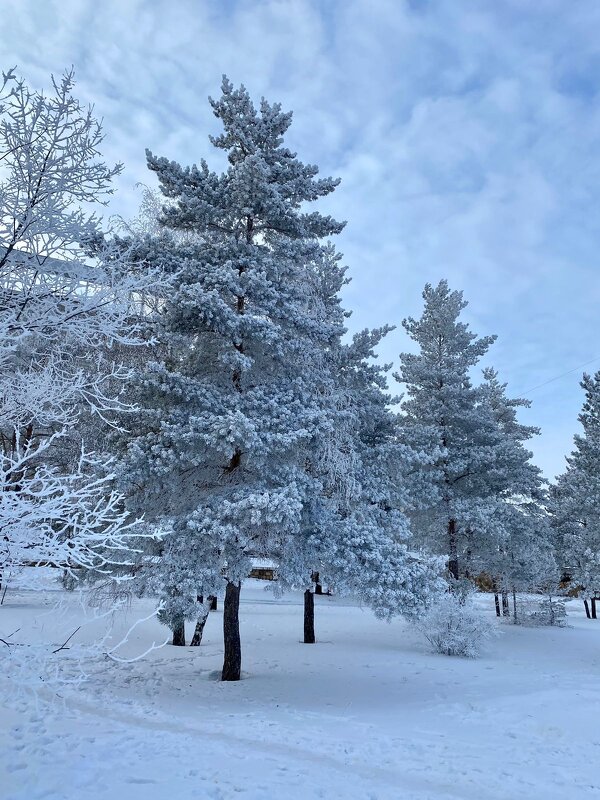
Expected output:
(547, 611)
(454, 627)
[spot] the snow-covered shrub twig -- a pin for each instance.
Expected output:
(542, 612)
(454, 627)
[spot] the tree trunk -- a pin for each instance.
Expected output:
(309, 617)
(179, 632)
(497, 604)
(232, 661)
(213, 603)
(201, 622)
(594, 608)
(587, 609)
(452, 550)
(505, 606)
(199, 630)
(514, 594)
(315, 579)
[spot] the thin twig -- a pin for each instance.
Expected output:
(63, 647)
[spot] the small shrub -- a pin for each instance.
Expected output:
(454, 627)
(547, 611)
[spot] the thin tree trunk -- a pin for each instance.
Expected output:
(199, 630)
(514, 594)
(232, 661)
(179, 632)
(552, 614)
(201, 622)
(318, 587)
(213, 603)
(505, 606)
(587, 609)
(496, 598)
(497, 604)
(309, 617)
(452, 550)
(594, 608)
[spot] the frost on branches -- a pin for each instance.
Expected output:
(519, 551)
(576, 501)
(454, 627)
(241, 384)
(61, 311)
(356, 527)
(488, 514)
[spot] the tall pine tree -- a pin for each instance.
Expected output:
(575, 501)
(489, 514)
(442, 415)
(515, 546)
(245, 381)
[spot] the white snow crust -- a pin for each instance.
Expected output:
(367, 712)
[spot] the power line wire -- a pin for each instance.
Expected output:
(562, 375)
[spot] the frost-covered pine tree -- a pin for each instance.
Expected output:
(488, 515)
(575, 503)
(60, 311)
(355, 531)
(371, 554)
(517, 550)
(230, 399)
(242, 406)
(442, 415)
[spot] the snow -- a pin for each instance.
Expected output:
(367, 712)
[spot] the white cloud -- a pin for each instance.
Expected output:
(465, 133)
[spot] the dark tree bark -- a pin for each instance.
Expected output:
(496, 597)
(514, 594)
(497, 603)
(452, 550)
(232, 661)
(587, 609)
(179, 632)
(213, 603)
(594, 608)
(309, 617)
(315, 579)
(505, 606)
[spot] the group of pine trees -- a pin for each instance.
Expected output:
(242, 421)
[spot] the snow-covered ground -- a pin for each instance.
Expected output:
(367, 712)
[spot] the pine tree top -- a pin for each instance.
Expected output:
(265, 187)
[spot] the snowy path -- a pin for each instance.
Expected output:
(366, 713)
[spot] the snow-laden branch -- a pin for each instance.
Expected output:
(71, 303)
(111, 653)
(69, 520)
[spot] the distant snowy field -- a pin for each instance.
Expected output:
(367, 712)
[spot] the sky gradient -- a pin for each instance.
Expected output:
(465, 133)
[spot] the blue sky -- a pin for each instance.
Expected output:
(465, 133)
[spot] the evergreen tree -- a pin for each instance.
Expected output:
(489, 515)
(231, 400)
(245, 446)
(356, 531)
(575, 502)
(519, 551)
(442, 415)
